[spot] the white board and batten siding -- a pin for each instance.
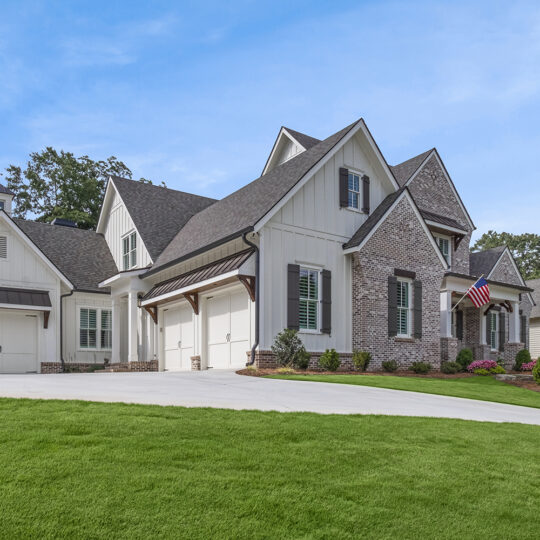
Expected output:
(310, 231)
(72, 305)
(23, 268)
(118, 225)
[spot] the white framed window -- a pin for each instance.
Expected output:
(309, 313)
(493, 322)
(354, 190)
(129, 251)
(404, 308)
(95, 329)
(444, 243)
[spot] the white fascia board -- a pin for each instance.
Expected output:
(104, 204)
(120, 276)
(429, 235)
(282, 131)
(462, 284)
(448, 179)
(27, 240)
(111, 181)
(197, 285)
(25, 307)
(444, 227)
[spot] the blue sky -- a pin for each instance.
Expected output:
(194, 93)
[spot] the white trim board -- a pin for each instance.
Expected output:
(282, 131)
(429, 234)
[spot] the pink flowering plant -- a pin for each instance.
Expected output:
(529, 366)
(488, 365)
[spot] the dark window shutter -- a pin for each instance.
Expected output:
(502, 330)
(488, 328)
(365, 194)
(459, 325)
(326, 323)
(343, 187)
(417, 309)
(392, 306)
(293, 296)
(523, 329)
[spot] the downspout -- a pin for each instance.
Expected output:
(62, 296)
(257, 264)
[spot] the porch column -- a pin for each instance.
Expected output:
(446, 314)
(513, 319)
(483, 323)
(116, 329)
(132, 326)
(151, 353)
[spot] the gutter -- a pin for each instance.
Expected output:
(257, 303)
(62, 296)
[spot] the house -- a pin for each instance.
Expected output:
(534, 328)
(329, 240)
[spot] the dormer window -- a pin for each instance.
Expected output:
(129, 251)
(444, 243)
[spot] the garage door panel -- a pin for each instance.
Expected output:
(18, 339)
(238, 354)
(239, 316)
(218, 319)
(218, 355)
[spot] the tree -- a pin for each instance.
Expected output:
(524, 247)
(60, 185)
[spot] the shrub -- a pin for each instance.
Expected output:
(529, 366)
(420, 367)
(302, 359)
(390, 365)
(329, 360)
(464, 358)
(285, 370)
(481, 371)
(522, 357)
(482, 364)
(498, 369)
(95, 367)
(287, 347)
(450, 367)
(536, 372)
(361, 360)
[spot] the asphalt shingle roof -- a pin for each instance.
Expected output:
(81, 255)
(443, 220)
(158, 212)
(241, 210)
(535, 284)
(403, 171)
(305, 140)
(373, 219)
(482, 262)
(5, 190)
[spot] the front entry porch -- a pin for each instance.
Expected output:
(494, 331)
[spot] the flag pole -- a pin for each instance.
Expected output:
(454, 307)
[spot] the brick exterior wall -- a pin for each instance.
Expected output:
(56, 367)
(152, 365)
(400, 242)
(267, 360)
(449, 349)
(431, 191)
(196, 363)
(504, 271)
(509, 353)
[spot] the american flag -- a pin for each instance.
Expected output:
(479, 293)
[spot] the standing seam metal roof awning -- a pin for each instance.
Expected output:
(25, 297)
(208, 271)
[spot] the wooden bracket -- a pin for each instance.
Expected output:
(249, 284)
(457, 240)
(153, 312)
(491, 306)
(46, 319)
(193, 299)
(506, 304)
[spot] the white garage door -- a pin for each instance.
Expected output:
(178, 338)
(228, 332)
(18, 342)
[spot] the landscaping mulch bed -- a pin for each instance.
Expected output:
(433, 375)
(529, 385)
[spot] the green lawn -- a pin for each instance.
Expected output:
(485, 388)
(88, 470)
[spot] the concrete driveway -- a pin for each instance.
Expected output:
(225, 389)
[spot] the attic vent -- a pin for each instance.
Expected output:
(3, 247)
(64, 222)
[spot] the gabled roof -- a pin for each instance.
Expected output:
(371, 222)
(443, 220)
(305, 140)
(6, 190)
(535, 285)
(81, 255)
(403, 171)
(240, 211)
(483, 262)
(158, 212)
